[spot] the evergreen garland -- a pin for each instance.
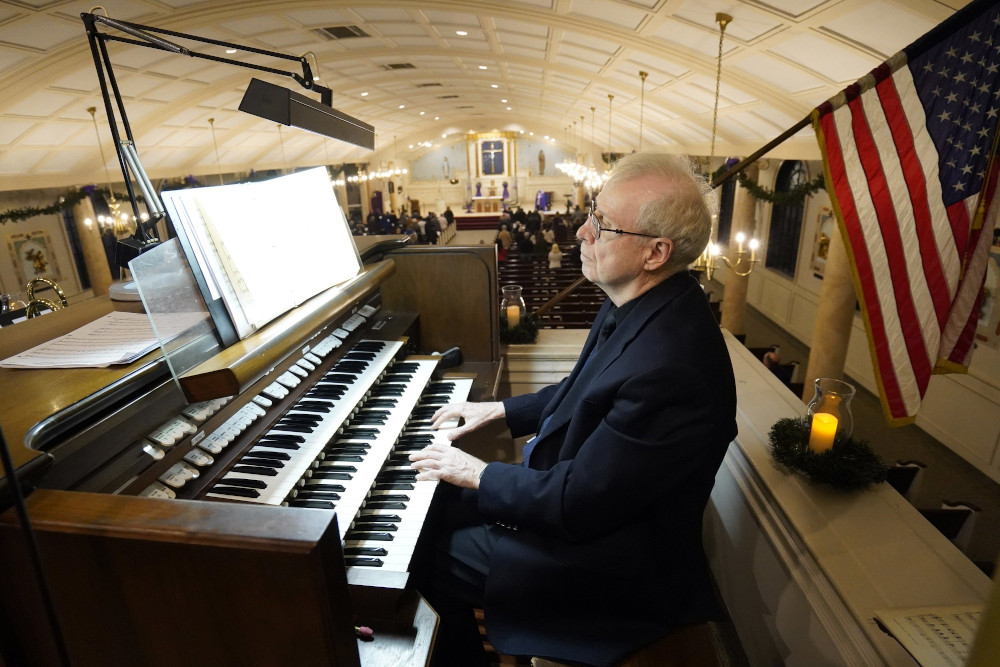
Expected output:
(66, 202)
(793, 197)
(525, 332)
(850, 465)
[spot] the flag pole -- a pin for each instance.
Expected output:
(759, 153)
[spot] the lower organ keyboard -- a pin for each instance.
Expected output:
(343, 446)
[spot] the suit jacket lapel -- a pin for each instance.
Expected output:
(562, 405)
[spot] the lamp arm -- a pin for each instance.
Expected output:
(305, 79)
(106, 77)
(128, 159)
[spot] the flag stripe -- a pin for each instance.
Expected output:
(917, 229)
(881, 231)
(950, 260)
(842, 152)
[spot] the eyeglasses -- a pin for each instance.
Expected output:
(598, 229)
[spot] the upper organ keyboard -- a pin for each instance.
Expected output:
(343, 446)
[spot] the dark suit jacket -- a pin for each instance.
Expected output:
(607, 553)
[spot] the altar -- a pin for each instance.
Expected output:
(487, 204)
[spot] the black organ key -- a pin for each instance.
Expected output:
(370, 345)
(365, 551)
(359, 449)
(340, 456)
(362, 535)
(317, 495)
(285, 437)
(375, 527)
(368, 518)
(337, 466)
(313, 504)
(350, 367)
(385, 505)
(244, 482)
(267, 463)
(296, 428)
(396, 475)
(344, 378)
(393, 486)
(255, 470)
(278, 444)
(236, 491)
(313, 406)
(382, 391)
(329, 393)
(360, 356)
(407, 366)
(315, 484)
(358, 561)
(277, 456)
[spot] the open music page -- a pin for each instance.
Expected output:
(934, 635)
(268, 246)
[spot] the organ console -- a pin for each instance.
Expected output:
(257, 510)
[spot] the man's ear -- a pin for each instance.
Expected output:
(658, 253)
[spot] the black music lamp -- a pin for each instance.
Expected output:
(287, 107)
(261, 99)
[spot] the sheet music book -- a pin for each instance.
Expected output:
(268, 246)
(934, 635)
(116, 338)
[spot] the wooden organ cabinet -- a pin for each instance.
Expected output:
(207, 577)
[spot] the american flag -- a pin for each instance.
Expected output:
(910, 153)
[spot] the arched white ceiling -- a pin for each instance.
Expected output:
(544, 66)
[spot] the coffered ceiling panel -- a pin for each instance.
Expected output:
(414, 70)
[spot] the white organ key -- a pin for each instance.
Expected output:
(278, 486)
(400, 548)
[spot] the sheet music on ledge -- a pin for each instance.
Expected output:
(265, 247)
(934, 636)
(116, 338)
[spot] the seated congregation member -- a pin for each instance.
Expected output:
(555, 257)
(592, 548)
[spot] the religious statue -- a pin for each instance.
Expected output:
(541, 163)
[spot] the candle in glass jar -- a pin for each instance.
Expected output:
(513, 316)
(822, 432)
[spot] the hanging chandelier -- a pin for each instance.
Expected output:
(746, 250)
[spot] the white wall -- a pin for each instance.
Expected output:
(61, 267)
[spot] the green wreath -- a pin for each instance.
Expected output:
(525, 332)
(850, 465)
(66, 202)
(793, 197)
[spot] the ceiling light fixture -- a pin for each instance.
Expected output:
(712, 253)
(642, 103)
(610, 159)
(218, 163)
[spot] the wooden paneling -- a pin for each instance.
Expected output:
(454, 288)
(139, 581)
